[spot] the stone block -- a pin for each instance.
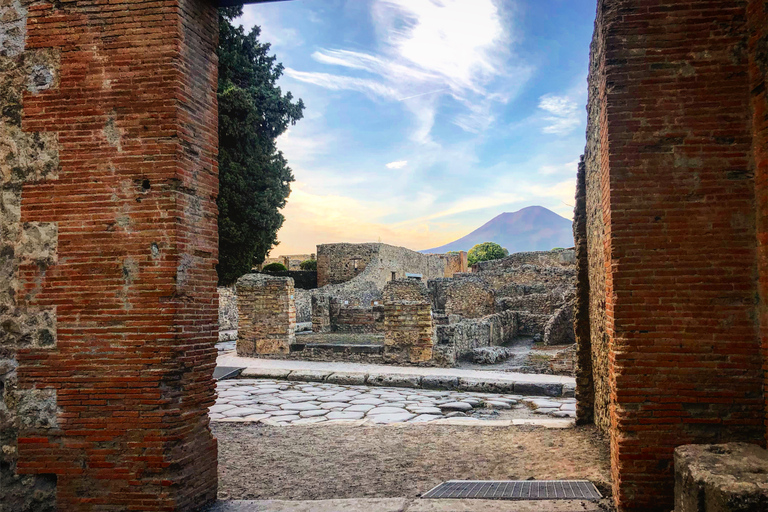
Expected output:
(347, 378)
(729, 477)
(309, 375)
(538, 389)
(439, 382)
(397, 381)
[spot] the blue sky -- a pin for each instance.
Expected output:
(426, 118)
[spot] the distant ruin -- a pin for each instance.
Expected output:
(383, 291)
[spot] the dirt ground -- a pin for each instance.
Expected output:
(326, 462)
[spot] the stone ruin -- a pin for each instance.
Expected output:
(424, 319)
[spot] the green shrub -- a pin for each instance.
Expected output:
(308, 265)
(558, 249)
(274, 267)
(486, 251)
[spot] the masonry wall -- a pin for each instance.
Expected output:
(671, 232)
(408, 328)
(266, 310)
(757, 12)
(338, 263)
(109, 180)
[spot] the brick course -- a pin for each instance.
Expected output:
(119, 240)
(670, 205)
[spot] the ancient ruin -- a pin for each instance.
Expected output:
(108, 133)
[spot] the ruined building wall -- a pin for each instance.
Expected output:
(757, 13)
(108, 138)
(338, 263)
(266, 309)
(597, 192)
(671, 235)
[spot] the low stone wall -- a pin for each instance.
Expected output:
(267, 315)
(559, 329)
(356, 319)
(561, 258)
(456, 341)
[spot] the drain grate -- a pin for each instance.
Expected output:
(516, 490)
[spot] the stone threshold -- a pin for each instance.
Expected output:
(462, 422)
(416, 381)
(404, 505)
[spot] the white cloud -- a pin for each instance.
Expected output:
(567, 168)
(397, 165)
(427, 49)
(563, 115)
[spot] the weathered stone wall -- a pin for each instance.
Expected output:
(408, 335)
(454, 263)
(585, 388)
(227, 308)
(354, 318)
(267, 313)
(671, 232)
(339, 263)
(559, 327)
(376, 263)
(456, 340)
(321, 313)
(558, 258)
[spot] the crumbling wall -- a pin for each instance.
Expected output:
(267, 312)
(339, 263)
(355, 318)
(457, 340)
(227, 308)
(556, 258)
(468, 298)
(408, 330)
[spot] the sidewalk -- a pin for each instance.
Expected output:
(401, 376)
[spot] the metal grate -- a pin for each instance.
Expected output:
(516, 490)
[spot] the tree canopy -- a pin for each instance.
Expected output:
(254, 177)
(486, 251)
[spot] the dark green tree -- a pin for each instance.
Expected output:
(486, 251)
(254, 177)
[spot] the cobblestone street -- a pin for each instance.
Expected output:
(299, 403)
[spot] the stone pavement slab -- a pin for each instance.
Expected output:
(402, 376)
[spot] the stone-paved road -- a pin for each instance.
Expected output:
(298, 403)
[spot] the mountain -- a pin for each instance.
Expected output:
(534, 228)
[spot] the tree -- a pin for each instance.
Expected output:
(486, 251)
(254, 177)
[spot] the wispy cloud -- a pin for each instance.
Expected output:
(397, 165)
(428, 48)
(568, 168)
(563, 116)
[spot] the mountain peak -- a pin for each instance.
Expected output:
(533, 228)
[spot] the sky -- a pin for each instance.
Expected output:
(425, 119)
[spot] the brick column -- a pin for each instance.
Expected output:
(671, 237)
(267, 315)
(408, 330)
(110, 269)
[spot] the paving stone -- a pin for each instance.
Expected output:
(545, 410)
(299, 407)
(273, 373)
(343, 415)
(286, 419)
(492, 404)
(425, 410)
(401, 381)
(282, 413)
(221, 408)
(334, 405)
(568, 407)
(215, 416)
(367, 401)
(391, 418)
(456, 414)
(386, 410)
(241, 412)
(275, 401)
(309, 375)
(563, 414)
(456, 406)
(538, 389)
(423, 418)
(545, 403)
(359, 408)
(308, 421)
(312, 414)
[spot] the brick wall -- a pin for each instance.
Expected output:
(757, 13)
(114, 221)
(671, 237)
(267, 315)
(407, 322)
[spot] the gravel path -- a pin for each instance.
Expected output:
(330, 461)
(298, 403)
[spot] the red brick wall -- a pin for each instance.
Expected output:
(758, 71)
(684, 362)
(134, 286)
